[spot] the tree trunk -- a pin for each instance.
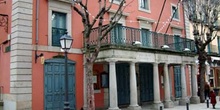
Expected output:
(202, 70)
(90, 89)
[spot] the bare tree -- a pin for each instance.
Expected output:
(91, 53)
(203, 15)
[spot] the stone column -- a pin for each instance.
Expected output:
(157, 102)
(20, 95)
(168, 103)
(183, 85)
(194, 99)
(133, 89)
(113, 97)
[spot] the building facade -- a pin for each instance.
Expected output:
(143, 62)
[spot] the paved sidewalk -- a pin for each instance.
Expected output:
(201, 106)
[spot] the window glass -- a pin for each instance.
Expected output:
(144, 4)
(175, 12)
(58, 27)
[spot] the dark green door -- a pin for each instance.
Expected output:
(123, 88)
(146, 82)
(54, 87)
(177, 43)
(177, 81)
(145, 37)
(116, 34)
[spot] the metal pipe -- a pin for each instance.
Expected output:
(36, 30)
(187, 106)
(37, 22)
(207, 102)
(66, 103)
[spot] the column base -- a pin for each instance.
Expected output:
(194, 100)
(182, 101)
(156, 106)
(168, 104)
(134, 108)
(116, 108)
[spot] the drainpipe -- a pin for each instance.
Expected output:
(37, 30)
(184, 24)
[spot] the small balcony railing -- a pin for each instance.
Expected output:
(128, 36)
(56, 34)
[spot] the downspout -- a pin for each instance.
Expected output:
(37, 30)
(184, 17)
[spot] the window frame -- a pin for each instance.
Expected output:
(178, 12)
(142, 9)
(55, 6)
(58, 28)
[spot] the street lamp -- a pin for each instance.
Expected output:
(66, 43)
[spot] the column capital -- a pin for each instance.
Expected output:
(131, 62)
(111, 60)
(166, 63)
(183, 64)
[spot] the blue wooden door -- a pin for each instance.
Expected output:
(123, 88)
(177, 81)
(146, 82)
(54, 88)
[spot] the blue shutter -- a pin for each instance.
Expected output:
(218, 45)
(209, 48)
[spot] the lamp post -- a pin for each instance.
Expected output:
(66, 43)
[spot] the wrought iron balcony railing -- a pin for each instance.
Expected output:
(128, 36)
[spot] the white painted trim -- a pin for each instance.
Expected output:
(144, 10)
(56, 6)
(55, 49)
(176, 27)
(141, 18)
(115, 2)
(114, 11)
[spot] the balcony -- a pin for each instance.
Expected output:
(123, 36)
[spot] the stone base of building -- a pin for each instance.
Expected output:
(183, 102)
(17, 102)
(116, 108)
(195, 100)
(157, 106)
(168, 104)
(134, 108)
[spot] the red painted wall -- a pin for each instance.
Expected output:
(5, 9)
(99, 97)
(38, 80)
(5, 69)
(77, 29)
(37, 69)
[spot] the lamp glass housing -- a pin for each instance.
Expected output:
(66, 42)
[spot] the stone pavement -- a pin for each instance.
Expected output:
(201, 106)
